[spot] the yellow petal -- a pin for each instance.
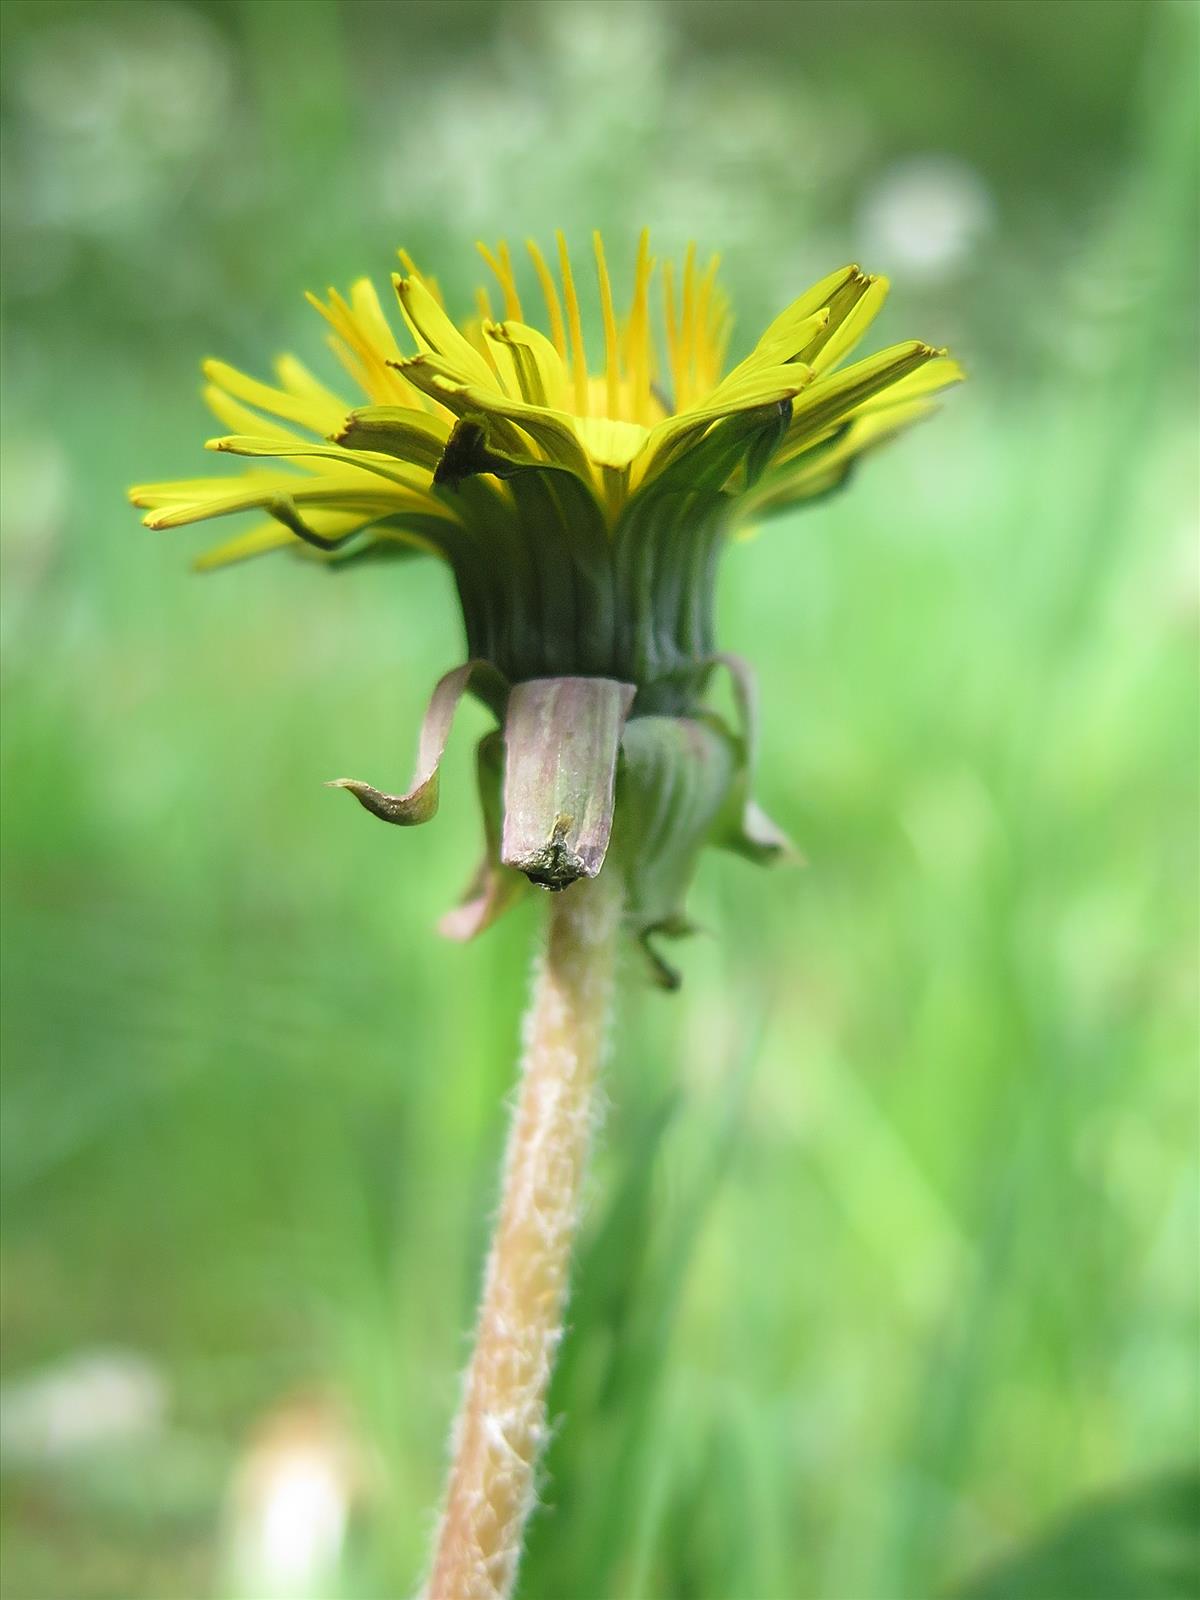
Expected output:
(182, 491)
(775, 385)
(305, 412)
(813, 472)
(553, 431)
(255, 491)
(779, 381)
(612, 355)
(550, 295)
(262, 538)
(538, 370)
(362, 340)
(272, 535)
(579, 368)
(241, 419)
(434, 331)
(298, 380)
(501, 265)
(377, 464)
(610, 442)
(842, 337)
(773, 350)
(810, 303)
(416, 436)
(934, 375)
(832, 398)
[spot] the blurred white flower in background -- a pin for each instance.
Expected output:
(298, 1480)
(925, 216)
(89, 1399)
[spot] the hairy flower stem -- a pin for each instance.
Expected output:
(501, 1427)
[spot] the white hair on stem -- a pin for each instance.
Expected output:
(502, 1428)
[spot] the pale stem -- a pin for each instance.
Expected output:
(501, 1426)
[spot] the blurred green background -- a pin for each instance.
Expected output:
(888, 1287)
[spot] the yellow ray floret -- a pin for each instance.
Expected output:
(386, 464)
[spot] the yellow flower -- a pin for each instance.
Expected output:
(371, 472)
(581, 507)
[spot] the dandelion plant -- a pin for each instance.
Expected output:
(582, 509)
